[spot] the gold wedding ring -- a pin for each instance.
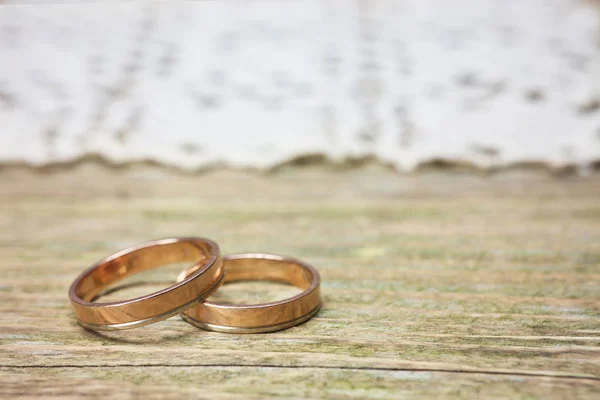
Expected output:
(259, 318)
(205, 276)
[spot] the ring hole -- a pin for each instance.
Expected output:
(253, 292)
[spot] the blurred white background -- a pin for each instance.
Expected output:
(252, 83)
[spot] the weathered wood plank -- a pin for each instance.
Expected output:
(406, 80)
(434, 285)
(243, 383)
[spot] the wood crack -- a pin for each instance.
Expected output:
(322, 367)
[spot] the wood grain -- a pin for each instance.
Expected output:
(434, 285)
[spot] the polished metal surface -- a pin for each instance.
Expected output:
(205, 276)
(267, 317)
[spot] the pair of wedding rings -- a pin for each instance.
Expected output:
(188, 296)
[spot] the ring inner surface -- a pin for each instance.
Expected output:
(121, 266)
(255, 269)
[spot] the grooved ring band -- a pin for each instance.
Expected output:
(204, 277)
(260, 318)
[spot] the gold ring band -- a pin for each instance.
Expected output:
(260, 318)
(204, 277)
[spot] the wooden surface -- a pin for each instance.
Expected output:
(434, 285)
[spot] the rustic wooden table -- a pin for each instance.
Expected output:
(434, 285)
